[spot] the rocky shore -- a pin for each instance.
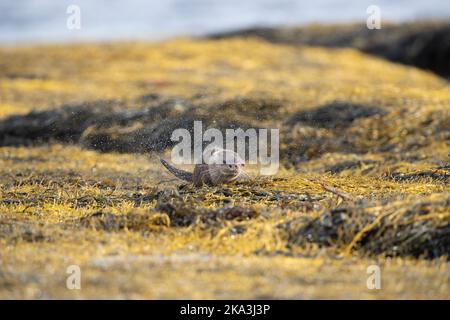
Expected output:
(364, 175)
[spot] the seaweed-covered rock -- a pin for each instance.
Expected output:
(422, 44)
(416, 229)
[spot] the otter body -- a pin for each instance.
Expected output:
(212, 174)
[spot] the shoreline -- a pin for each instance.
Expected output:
(364, 174)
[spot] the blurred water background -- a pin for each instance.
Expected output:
(45, 20)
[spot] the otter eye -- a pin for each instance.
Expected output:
(230, 166)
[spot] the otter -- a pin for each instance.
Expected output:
(215, 171)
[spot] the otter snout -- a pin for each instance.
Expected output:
(232, 169)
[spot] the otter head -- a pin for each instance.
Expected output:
(228, 162)
(232, 169)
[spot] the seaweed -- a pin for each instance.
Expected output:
(418, 229)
